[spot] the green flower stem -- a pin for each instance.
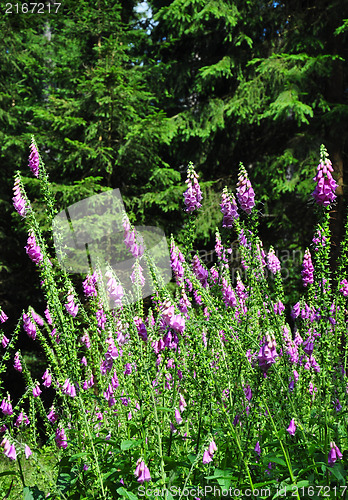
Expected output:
(285, 453)
(83, 411)
(159, 435)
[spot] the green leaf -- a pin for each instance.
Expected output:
(33, 493)
(126, 445)
(127, 494)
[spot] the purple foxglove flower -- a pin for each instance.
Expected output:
(279, 307)
(84, 361)
(34, 160)
(10, 452)
(101, 318)
(19, 420)
(338, 406)
(61, 439)
(212, 448)
(308, 346)
(319, 240)
(29, 326)
(47, 379)
(295, 311)
(245, 192)
(273, 263)
(6, 406)
(52, 416)
(37, 391)
(248, 393)
(89, 283)
(292, 427)
(324, 193)
(334, 454)
(177, 259)
(115, 291)
(307, 269)
(178, 417)
(142, 332)
(3, 316)
(71, 307)
(27, 451)
(48, 316)
(228, 208)
(38, 320)
(182, 403)
(228, 294)
(193, 194)
(257, 448)
(199, 271)
(141, 472)
(128, 369)
(33, 250)
(344, 288)
(267, 354)
(207, 457)
(85, 340)
(18, 201)
(4, 341)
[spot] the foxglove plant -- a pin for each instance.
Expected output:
(145, 385)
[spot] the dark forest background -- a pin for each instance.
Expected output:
(125, 94)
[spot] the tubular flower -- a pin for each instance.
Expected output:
(176, 260)
(47, 379)
(193, 194)
(115, 291)
(9, 449)
(209, 453)
(307, 269)
(29, 326)
(141, 472)
(61, 439)
(89, 288)
(228, 208)
(267, 354)
(17, 362)
(199, 271)
(33, 250)
(324, 193)
(344, 288)
(245, 192)
(292, 427)
(71, 307)
(3, 316)
(334, 454)
(36, 391)
(6, 406)
(273, 263)
(142, 332)
(34, 160)
(18, 200)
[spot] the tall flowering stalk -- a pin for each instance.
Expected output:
(245, 192)
(324, 192)
(193, 194)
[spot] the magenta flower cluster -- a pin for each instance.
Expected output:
(245, 192)
(324, 192)
(307, 269)
(34, 160)
(228, 208)
(193, 194)
(208, 454)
